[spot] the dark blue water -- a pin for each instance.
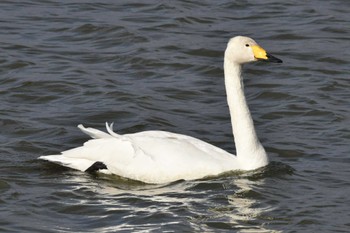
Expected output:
(158, 65)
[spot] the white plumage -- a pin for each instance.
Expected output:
(161, 157)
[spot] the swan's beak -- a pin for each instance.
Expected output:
(261, 55)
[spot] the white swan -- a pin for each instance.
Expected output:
(161, 157)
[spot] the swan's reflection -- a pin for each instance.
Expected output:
(248, 211)
(236, 202)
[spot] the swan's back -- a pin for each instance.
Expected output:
(149, 156)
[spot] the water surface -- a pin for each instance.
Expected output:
(158, 65)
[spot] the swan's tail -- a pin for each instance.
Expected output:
(75, 163)
(80, 158)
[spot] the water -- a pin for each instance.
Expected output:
(158, 65)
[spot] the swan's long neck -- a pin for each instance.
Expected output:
(250, 152)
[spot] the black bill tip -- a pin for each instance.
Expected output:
(272, 59)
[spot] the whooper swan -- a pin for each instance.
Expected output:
(161, 157)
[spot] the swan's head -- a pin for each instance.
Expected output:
(241, 49)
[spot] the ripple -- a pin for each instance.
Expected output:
(158, 65)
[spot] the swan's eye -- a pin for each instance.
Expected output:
(246, 45)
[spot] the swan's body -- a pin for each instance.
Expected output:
(161, 157)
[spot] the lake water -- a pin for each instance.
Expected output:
(158, 65)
